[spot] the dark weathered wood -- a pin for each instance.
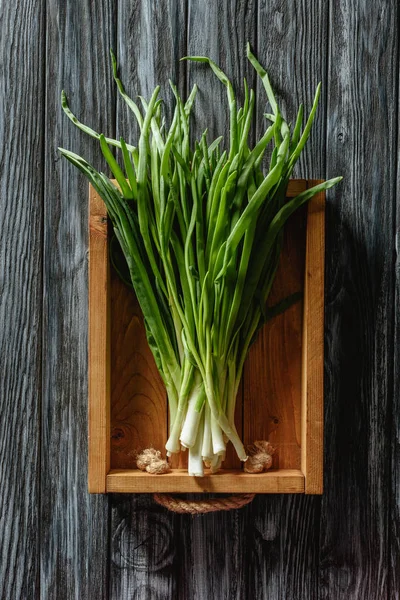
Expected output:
(21, 213)
(361, 146)
(292, 45)
(212, 548)
(212, 556)
(394, 530)
(394, 517)
(282, 549)
(219, 30)
(151, 40)
(144, 549)
(74, 526)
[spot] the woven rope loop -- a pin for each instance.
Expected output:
(198, 507)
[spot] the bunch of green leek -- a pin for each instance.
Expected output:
(201, 231)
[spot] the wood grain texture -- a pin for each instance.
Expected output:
(273, 370)
(359, 299)
(21, 215)
(281, 546)
(219, 30)
(144, 547)
(213, 549)
(151, 40)
(74, 525)
(99, 362)
(282, 550)
(394, 518)
(292, 43)
(288, 481)
(394, 531)
(312, 421)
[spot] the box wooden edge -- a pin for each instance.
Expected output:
(99, 347)
(288, 481)
(312, 422)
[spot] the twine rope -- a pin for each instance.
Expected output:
(150, 460)
(198, 507)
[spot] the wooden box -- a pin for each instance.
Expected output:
(281, 398)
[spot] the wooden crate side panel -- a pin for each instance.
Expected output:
(99, 346)
(226, 481)
(313, 347)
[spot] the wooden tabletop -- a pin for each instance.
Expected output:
(57, 542)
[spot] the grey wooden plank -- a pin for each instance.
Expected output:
(361, 146)
(292, 45)
(283, 548)
(394, 568)
(213, 557)
(220, 31)
(269, 549)
(394, 529)
(151, 40)
(143, 550)
(21, 214)
(151, 43)
(74, 526)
